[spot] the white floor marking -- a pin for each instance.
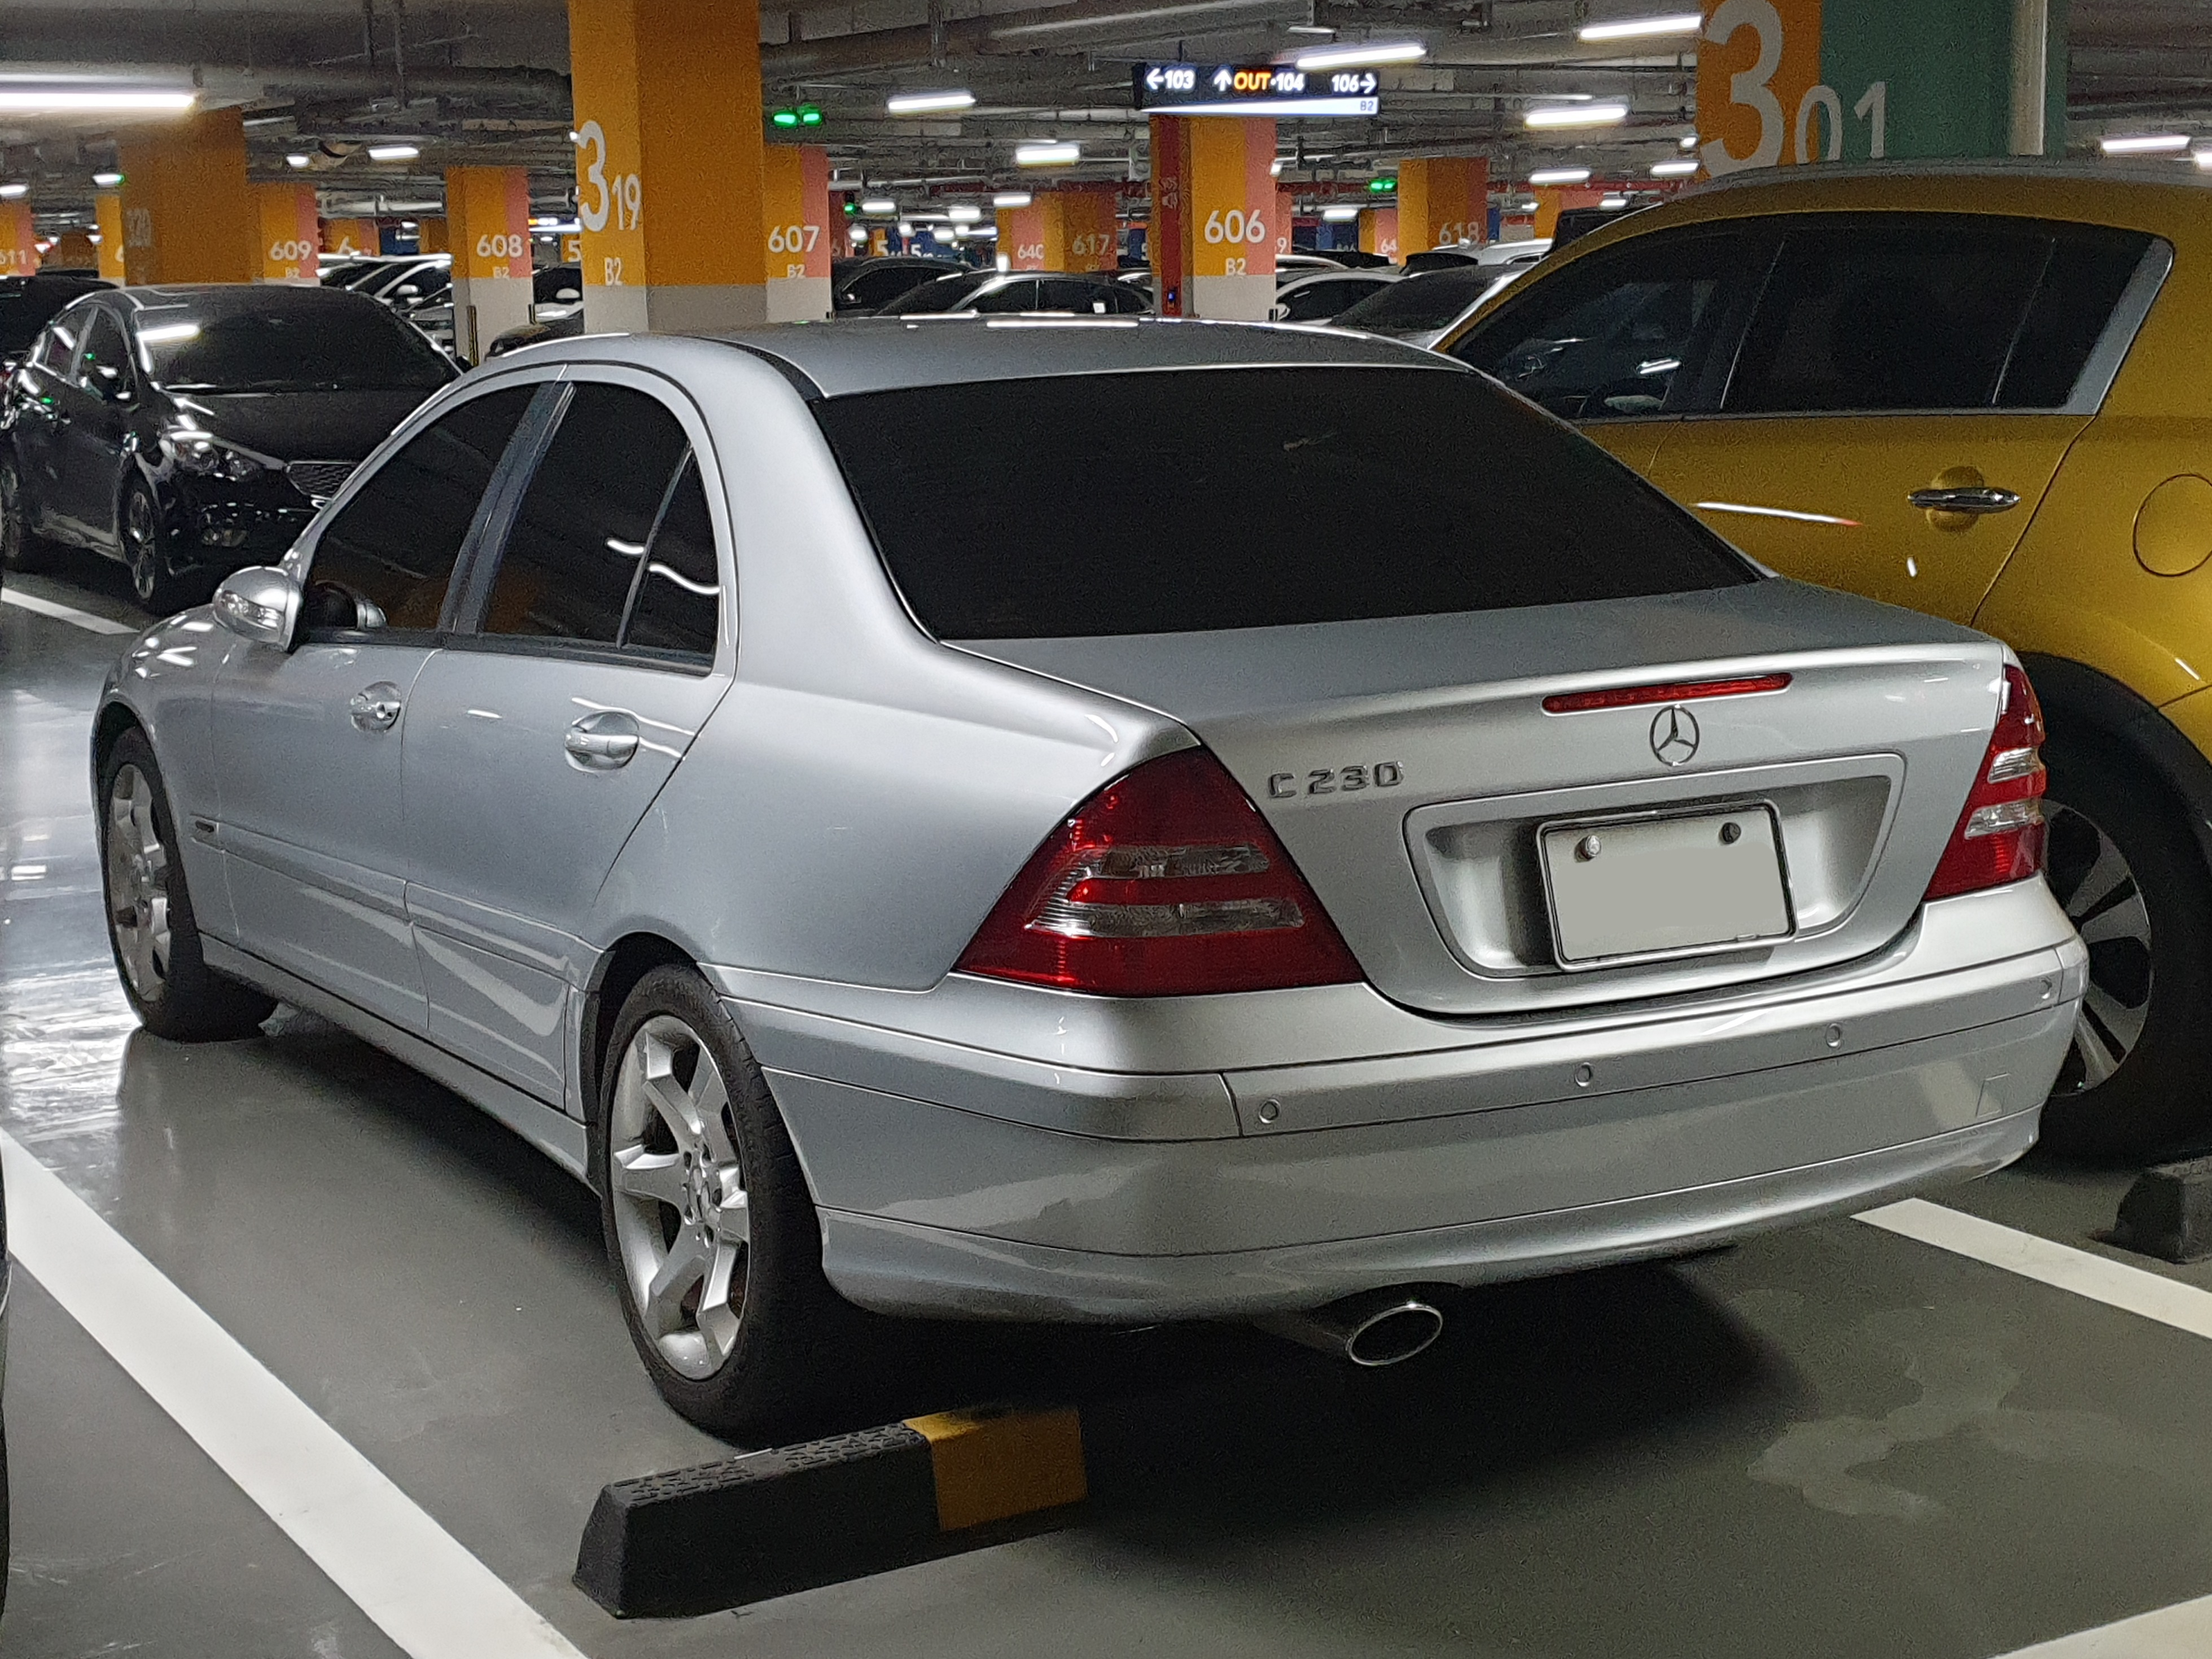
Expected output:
(2115, 1284)
(404, 1571)
(67, 613)
(2182, 1631)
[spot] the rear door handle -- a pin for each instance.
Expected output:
(1976, 499)
(602, 741)
(376, 708)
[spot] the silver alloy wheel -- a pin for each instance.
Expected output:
(2092, 880)
(137, 883)
(141, 545)
(682, 1225)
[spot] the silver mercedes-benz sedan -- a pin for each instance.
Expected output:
(1091, 820)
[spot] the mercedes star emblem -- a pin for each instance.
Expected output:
(1675, 735)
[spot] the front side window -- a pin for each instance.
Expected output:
(612, 530)
(1456, 498)
(103, 363)
(1629, 331)
(385, 559)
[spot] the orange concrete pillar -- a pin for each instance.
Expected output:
(189, 215)
(1213, 194)
(19, 240)
(487, 222)
(1443, 199)
(433, 236)
(107, 214)
(351, 236)
(795, 185)
(1378, 233)
(72, 250)
(670, 162)
(291, 233)
(1285, 225)
(1021, 236)
(1552, 198)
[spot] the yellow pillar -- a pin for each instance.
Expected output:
(19, 240)
(351, 236)
(433, 236)
(1212, 243)
(291, 233)
(1072, 229)
(107, 214)
(1285, 223)
(487, 222)
(188, 214)
(670, 167)
(1443, 199)
(1378, 233)
(795, 181)
(71, 251)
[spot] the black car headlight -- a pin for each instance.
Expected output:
(208, 457)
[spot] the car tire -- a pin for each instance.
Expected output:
(160, 591)
(150, 928)
(2131, 877)
(710, 1227)
(22, 548)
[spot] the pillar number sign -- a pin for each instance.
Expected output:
(19, 243)
(610, 203)
(1789, 82)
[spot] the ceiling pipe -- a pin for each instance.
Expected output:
(1036, 30)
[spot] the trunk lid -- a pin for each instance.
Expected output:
(1411, 767)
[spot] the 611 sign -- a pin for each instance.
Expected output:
(1753, 89)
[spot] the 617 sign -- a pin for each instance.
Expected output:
(1753, 89)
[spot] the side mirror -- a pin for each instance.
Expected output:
(261, 603)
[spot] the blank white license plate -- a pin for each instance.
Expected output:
(1644, 887)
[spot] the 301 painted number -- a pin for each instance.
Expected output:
(1752, 88)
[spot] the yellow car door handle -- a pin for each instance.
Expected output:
(1976, 499)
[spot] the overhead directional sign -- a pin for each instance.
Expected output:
(1272, 89)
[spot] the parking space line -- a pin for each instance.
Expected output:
(2115, 1284)
(2182, 1631)
(67, 613)
(419, 1586)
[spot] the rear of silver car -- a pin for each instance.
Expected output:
(1552, 934)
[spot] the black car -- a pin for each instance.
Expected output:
(190, 431)
(28, 303)
(860, 285)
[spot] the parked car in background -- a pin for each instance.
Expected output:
(28, 303)
(1422, 305)
(187, 431)
(1974, 390)
(557, 293)
(860, 285)
(524, 334)
(1317, 296)
(1084, 926)
(987, 292)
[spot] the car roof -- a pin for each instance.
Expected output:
(236, 299)
(858, 355)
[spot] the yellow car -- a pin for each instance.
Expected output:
(1984, 392)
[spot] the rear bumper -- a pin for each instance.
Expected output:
(954, 1178)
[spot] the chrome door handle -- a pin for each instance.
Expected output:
(1977, 500)
(602, 741)
(376, 708)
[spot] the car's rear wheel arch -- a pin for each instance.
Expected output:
(2083, 705)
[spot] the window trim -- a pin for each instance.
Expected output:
(484, 553)
(300, 562)
(73, 379)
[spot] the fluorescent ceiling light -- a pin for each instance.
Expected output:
(857, 233)
(1559, 176)
(1366, 51)
(107, 181)
(1614, 202)
(2203, 158)
(962, 213)
(1056, 155)
(1012, 198)
(1673, 169)
(1688, 141)
(1339, 214)
(408, 224)
(1578, 115)
(169, 333)
(78, 100)
(2144, 143)
(885, 207)
(11, 192)
(1637, 29)
(924, 103)
(905, 228)
(1307, 28)
(292, 161)
(392, 152)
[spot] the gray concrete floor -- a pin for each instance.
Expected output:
(1832, 1441)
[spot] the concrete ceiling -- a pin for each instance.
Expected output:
(487, 82)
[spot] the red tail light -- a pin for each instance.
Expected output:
(1166, 883)
(2000, 834)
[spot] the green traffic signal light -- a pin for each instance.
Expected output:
(809, 116)
(785, 118)
(1380, 185)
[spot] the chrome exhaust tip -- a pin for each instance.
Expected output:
(1372, 1329)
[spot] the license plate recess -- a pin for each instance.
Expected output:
(1641, 886)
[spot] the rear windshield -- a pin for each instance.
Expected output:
(338, 347)
(1429, 300)
(1163, 503)
(939, 293)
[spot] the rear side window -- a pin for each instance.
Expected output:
(1425, 300)
(611, 544)
(391, 549)
(1318, 494)
(1915, 313)
(1631, 329)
